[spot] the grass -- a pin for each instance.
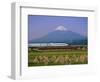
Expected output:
(46, 58)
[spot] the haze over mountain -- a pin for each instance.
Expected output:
(62, 35)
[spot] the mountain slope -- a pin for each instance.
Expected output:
(58, 36)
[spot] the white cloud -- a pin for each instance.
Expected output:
(61, 28)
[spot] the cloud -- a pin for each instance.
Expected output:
(61, 28)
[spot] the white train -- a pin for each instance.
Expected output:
(46, 44)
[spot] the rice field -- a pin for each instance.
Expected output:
(58, 57)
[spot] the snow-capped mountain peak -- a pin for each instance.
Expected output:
(61, 28)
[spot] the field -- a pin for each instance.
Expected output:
(57, 56)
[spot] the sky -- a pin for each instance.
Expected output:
(39, 25)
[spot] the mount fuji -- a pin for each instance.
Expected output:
(62, 35)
